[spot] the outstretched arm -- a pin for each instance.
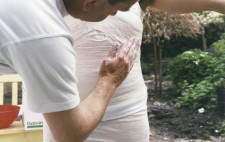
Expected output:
(185, 6)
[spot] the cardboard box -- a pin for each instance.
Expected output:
(31, 120)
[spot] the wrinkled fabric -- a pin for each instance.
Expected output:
(92, 42)
(132, 128)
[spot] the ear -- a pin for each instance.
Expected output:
(88, 4)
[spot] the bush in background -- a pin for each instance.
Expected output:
(190, 67)
(202, 91)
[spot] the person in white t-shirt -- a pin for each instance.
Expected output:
(36, 43)
(125, 119)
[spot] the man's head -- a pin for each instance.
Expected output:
(96, 10)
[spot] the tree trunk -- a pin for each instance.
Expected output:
(160, 70)
(155, 66)
(204, 42)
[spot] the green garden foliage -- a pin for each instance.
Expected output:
(197, 76)
(190, 67)
(215, 29)
(219, 126)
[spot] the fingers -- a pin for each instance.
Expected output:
(132, 53)
(133, 50)
(129, 51)
(113, 51)
(130, 48)
(119, 61)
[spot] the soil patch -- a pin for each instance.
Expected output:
(171, 124)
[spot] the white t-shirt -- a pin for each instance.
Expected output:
(36, 43)
(92, 42)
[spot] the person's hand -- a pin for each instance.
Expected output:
(118, 63)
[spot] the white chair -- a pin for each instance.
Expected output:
(15, 80)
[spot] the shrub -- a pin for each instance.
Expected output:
(190, 67)
(202, 93)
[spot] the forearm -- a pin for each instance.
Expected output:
(218, 6)
(94, 106)
(188, 6)
(78, 123)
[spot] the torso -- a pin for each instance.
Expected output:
(92, 42)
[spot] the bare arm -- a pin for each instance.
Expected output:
(185, 6)
(76, 124)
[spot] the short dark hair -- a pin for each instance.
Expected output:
(112, 2)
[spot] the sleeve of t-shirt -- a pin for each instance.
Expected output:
(47, 67)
